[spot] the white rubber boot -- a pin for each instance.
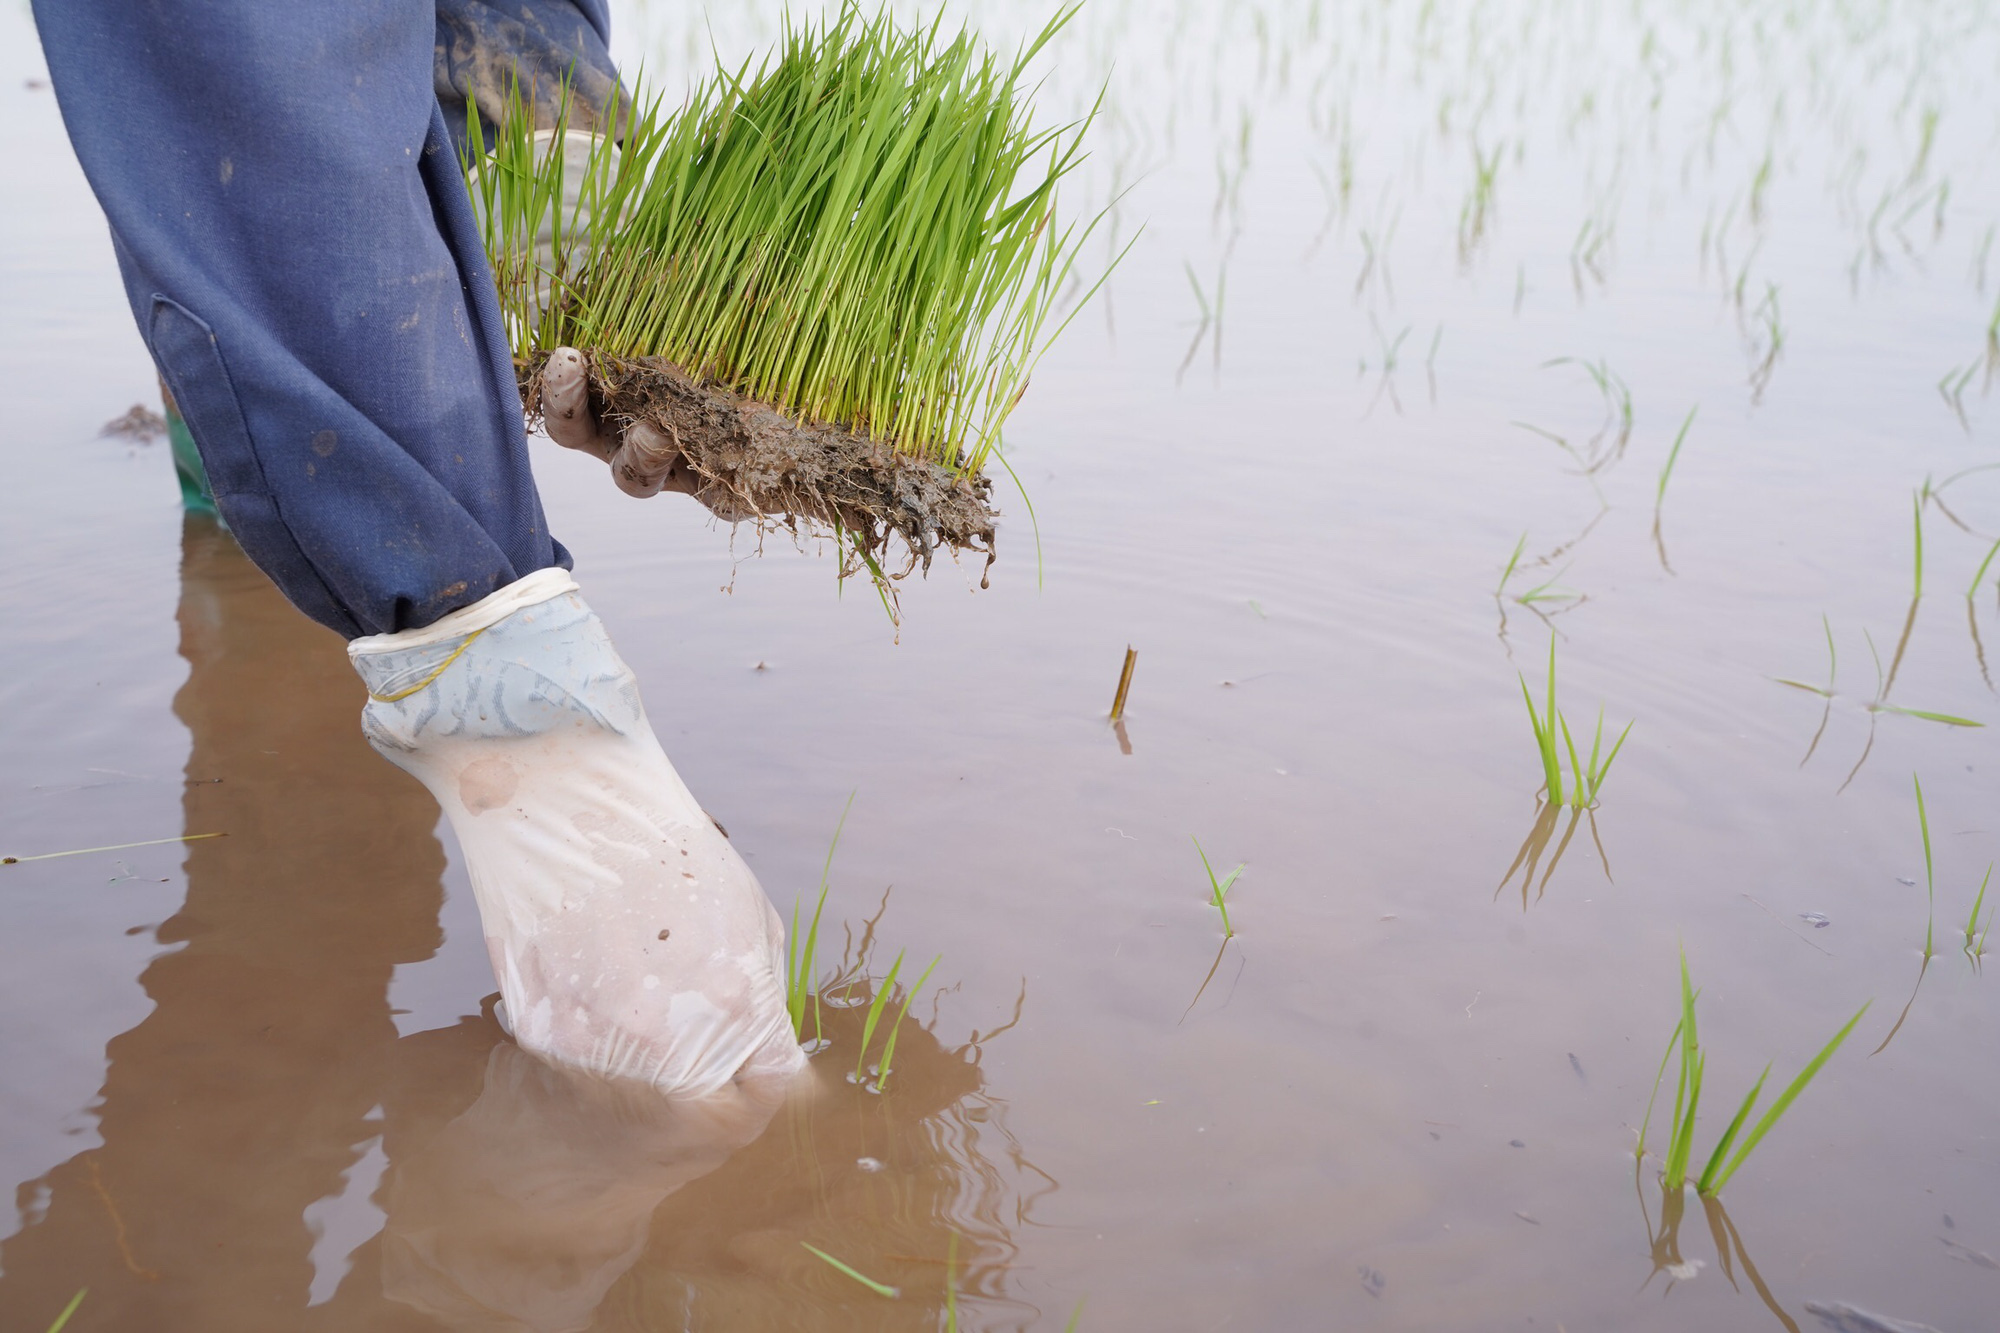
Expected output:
(628, 937)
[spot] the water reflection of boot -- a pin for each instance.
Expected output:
(248, 1090)
(522, 1211)
(525, 1198)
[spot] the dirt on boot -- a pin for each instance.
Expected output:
(758, 465)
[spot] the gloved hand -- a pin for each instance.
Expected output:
(643, 461)
(628, 937)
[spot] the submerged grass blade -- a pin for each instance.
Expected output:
(879, 1288)
(62, 1320)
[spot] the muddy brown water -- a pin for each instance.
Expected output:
(249, 1083)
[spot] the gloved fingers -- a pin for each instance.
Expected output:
(566, 410)
(649, 462)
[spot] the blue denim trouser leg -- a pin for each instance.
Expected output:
(300, 255)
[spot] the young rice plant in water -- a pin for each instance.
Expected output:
(862, 230)
(1553, 741)
(1722, 1164)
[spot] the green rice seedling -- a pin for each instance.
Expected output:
(1722, 1163)
(896, 1028)
(62, 1320)
(1917, 516)
(878, 1006)
(1979, 577)
(1948, 719)
(1975, 932)
(1673, 456)
(860, 231)
(1508, 572)
(1930, 873)
(1548, 591)
(1218, 889)
(879, 1288)
(1553, 741)
(875, 1008)
(802, 949)
(951, 1284)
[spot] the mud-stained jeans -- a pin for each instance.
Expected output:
(297, 246)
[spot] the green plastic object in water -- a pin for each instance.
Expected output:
(195, 492)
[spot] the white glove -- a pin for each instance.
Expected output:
(629, 938)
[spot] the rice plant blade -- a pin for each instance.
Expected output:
(1704, 1186)
(1972, 921)
(875, 1007)
(1948, 719)
(896, 1028)
(1673, 1039)
(879, 1288)
(1597, 778)
(1673, 456)
(62, 1319)
(1579, 786)
(1785, 1100)
(1687, 1093)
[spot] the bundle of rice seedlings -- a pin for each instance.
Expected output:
(826, 281)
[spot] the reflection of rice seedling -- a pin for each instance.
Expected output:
(1617, 396)
(1586, 777)
(879, 1288)
(859, 233)
(1218, 889)
(1722, 1164)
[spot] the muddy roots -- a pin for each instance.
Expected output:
(758, 465)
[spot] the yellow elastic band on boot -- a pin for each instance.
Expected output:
(401, 695)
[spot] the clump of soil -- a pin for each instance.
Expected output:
(758, 465)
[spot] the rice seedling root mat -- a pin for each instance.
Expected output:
(755, 464)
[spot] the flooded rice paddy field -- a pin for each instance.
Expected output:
(1419, 287)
